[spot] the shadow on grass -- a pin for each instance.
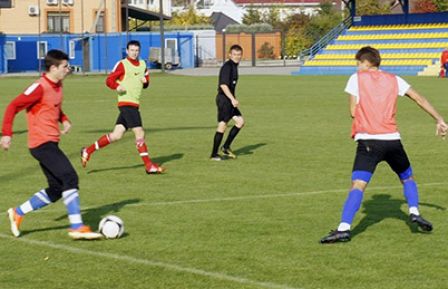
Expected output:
(160, 160)
(90, 216)
(381, 207)
(154, 130)
(249, 149)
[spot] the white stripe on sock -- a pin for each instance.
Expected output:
(67, 193)
(144, 154)
(97, 146)
(26, 207)
(43, 197)
(70, 198)
(75, 219)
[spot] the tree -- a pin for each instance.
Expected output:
(272, 17)
(424, 6)
(372, 7)
(188, 18)
(442, 5)
(266, 51)
(252, 16)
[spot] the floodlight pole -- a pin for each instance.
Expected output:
(162, 36)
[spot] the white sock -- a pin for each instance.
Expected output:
(414, 210)
(344, 227)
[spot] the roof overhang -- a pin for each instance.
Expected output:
(142, 14)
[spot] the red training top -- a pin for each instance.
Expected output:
(43, 103)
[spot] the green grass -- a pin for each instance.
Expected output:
(250, 223)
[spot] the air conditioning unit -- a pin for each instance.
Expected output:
(52, 2)
(68, 2)
(33, 10)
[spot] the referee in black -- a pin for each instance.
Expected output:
(228, 105)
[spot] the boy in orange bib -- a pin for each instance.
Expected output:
(373, 106)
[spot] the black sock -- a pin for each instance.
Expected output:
(216, 142)
(232, 134)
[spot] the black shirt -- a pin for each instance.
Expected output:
(228, 75)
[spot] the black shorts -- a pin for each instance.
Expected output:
(371, 152)
(61, 175)
(129, 117)
(225, 109)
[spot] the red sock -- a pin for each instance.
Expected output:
(143, 151)
(100, 143)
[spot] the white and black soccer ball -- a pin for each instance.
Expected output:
(112, 227)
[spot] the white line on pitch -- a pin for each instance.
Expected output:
(266, 196)
(150, 263)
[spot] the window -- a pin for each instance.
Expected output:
(58, 22)
(71, 49)
(100, 25)
(10, 50)
(42, 48)
(171, 44)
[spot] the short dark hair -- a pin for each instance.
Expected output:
(54, 57)
(133, 43)
(370, 54)
(236, 47)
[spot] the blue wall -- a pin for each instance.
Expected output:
(104, 51)
(441, 17)
(2, 57)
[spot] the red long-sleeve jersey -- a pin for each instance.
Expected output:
(34, 100)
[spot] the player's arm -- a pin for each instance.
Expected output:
(442, 127)
(145, 79)
(116, 74)
(25, 100)
(352, 104)
(229, 94)
(66, 123)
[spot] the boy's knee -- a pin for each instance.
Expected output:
(54, 193)
(70, 181)
(221, 127)
(239, 121)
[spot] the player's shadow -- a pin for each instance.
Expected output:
(381, 207)
(249, 149)
(154, 130)
(90, 216)
(160, 160)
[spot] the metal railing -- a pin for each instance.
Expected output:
(325, 40)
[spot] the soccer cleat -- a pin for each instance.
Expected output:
(422, 223)
(155, 169)
(228, 153)
(84, 233)
(85, 157)
(336, 236)
(15, 220)
(216, 158)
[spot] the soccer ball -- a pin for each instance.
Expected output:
(112, 227)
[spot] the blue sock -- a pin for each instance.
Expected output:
(71, 201)
(410, 192)
(351, 206)
(37, 201)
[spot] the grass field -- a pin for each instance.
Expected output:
(254, 222)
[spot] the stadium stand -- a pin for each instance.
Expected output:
(412, 49)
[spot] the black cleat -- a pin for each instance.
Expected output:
(227, 152)
(336, 236)
(422, 223)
